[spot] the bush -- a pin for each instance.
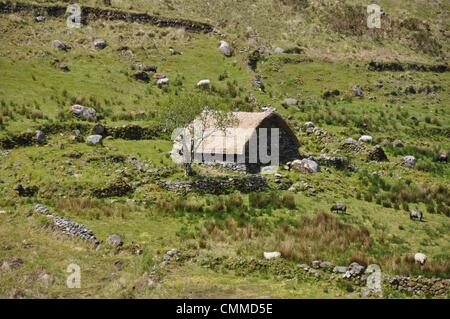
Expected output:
(235, 202)
(289, 201)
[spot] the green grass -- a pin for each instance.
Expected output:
(35, 93)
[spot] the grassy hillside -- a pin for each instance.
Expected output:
(332, 30)
(221, 238)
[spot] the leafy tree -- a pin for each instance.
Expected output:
(189, 117)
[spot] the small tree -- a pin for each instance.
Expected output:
(191, 118)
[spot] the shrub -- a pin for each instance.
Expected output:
(234, 202)
(289, 201)
(219, 206)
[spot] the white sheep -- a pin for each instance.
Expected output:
(420, 258)
(270, 255)
(204, 84)
(163, 81)
(365, 139)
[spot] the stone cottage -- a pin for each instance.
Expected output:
(253, 140)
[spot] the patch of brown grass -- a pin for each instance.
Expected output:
(321, 236)
(86, 206)
(408, 267)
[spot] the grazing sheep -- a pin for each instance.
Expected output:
(162, 82)
(442, 157)
(337, 208)
(145, 68)
(270, 255)
(420, 258)
(365, 139)
(416, 214)
(174, 52)
(204, 84)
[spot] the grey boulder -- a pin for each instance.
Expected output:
(99, 129)
(94, 140)
(306, 165)
(340, 269)
(409, 161)
(60, 45)
(115, 240)
(87, 113)
(40, 137)
(356, 269)
(289, 102)
(100, 44)
(278, 50)
(357, 91)
(225, 48)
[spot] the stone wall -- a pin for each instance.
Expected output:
(218, 185)
(22, 139)
(421, 285)
(116, 188)
(67, 226)
(396, 66)
(91, 13)
(126, 132)
(135, 132)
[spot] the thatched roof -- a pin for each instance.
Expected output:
(233, 139)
